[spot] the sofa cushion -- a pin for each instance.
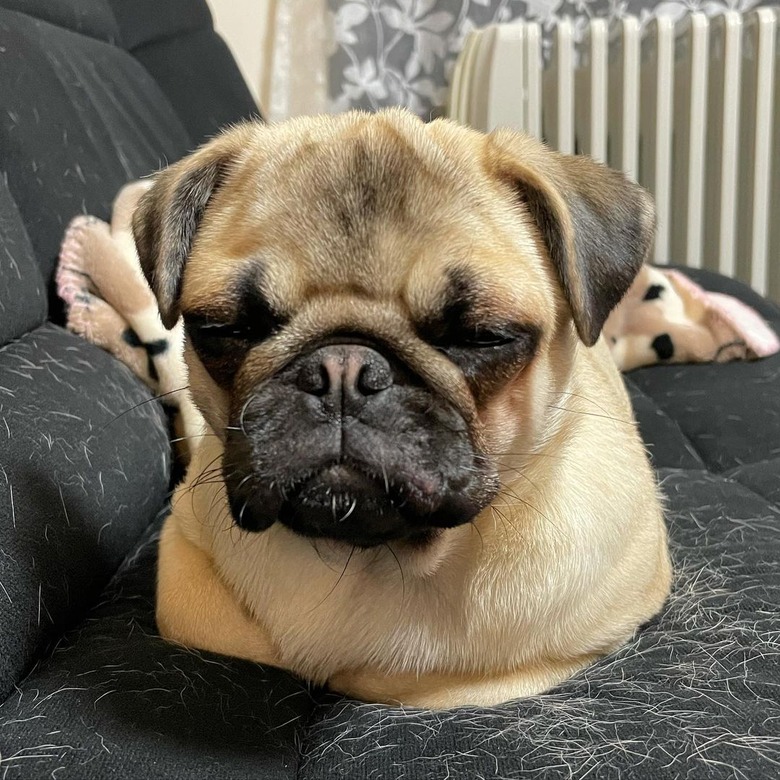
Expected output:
(22, 291)
(728, 413)
(199, 76)
(176, 42)
(115, 700)
(88, 17)
(694, 695)
(79, 118)
(82, 470)
(84, 461)
(149, 21)
(760, 477)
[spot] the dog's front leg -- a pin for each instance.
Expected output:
(195, 608)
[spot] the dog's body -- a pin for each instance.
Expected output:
(419, 483)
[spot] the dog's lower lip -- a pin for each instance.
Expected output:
(340, 480)
(343, 476)
(344, 473)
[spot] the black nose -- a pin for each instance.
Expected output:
(345, 375)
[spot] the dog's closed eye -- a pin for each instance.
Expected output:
(222, 338)
(245, 316)
(487, 355)
(242, 330)
(479, 337)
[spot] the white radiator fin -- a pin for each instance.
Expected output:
(691, 109)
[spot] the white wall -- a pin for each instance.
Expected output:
(244, 25)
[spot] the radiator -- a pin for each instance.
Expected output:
(690, 109)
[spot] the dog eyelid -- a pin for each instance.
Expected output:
(482, 338)
(457, 335)
(249, 330)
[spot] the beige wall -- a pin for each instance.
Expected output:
(243, 24)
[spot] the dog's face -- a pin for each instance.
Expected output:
(377, 311)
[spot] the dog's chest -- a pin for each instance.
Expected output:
(326, 612)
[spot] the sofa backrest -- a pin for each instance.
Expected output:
(94, 93)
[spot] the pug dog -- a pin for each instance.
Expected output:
(420, 480)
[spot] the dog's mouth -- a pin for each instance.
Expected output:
(346, 503)
(343, 444)
(349, 502)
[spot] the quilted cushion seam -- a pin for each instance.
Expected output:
(171, 36)
(736, 481)
(686, 439)
(707, 464)
(109, 41)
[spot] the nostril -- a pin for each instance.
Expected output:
(349, 372)
(374, 378)
(314, 379)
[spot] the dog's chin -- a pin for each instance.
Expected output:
(345, 504)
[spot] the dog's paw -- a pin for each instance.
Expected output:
(88, 245)
(73, 277)
(112, 265)
(81, 237)
(96, 321)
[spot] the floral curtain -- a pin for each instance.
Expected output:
(401, 52)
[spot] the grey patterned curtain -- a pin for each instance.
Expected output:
(402, 52)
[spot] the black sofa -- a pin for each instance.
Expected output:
(96, 92)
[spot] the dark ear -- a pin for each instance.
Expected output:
(168, 217)
(596, 224)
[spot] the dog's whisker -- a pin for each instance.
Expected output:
(475, 527)
(516, 453)
(349, 511)
(208, 466)
(143, 403)
(585, 398)
(207, 474)
(401, 570)
(243, 481)
(192, 436)
(592, 414)
(520, 473)
(243, 412)
(341, 577)
(509, 493)
(504, 519)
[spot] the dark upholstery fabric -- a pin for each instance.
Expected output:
(84, 453)
(114, 700)
(22, 292)
(79, 481)
(95, 92)
(149, 21)
(177, 44)
(182, 77)
(81, 119)
(88, 17)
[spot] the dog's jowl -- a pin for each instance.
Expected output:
(421, 480)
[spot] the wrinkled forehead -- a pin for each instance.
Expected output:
(346, 184)
(376, 212)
